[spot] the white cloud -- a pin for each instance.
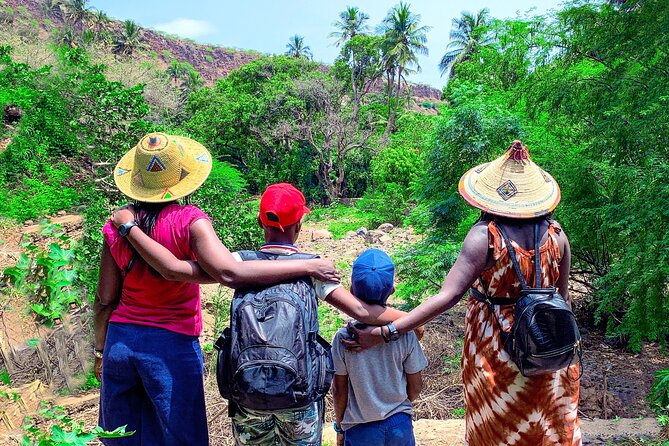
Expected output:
(187, 27)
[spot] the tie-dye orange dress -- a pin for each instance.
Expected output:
(502, 406)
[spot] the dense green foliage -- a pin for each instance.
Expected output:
(586, 90)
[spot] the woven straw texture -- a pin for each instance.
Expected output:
(162, 168)
(511, 186)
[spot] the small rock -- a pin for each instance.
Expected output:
(385, 238)
(320, 234)
(386, 227)
(351, 234)
(61, 213)
(362, 231)
(374, 236)
(29, 223)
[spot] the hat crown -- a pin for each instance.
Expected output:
(281, 205)
(159, 161)
(511, 186)
(373, 276)
(162, 168)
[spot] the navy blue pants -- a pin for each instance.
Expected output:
(152, 381)
(396, 430)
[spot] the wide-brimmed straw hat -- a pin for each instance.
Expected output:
(162, 168)
(511, 186)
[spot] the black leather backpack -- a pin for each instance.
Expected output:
(544, 337)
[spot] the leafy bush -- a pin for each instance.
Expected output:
(46, 275)
(233, 213)
(389, 204)
(421, 269)
(659, 394)
(64, 431)
(344, 218)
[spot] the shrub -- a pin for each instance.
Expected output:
(233, 213)
(421, 269)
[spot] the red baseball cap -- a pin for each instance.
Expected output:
(282, 205)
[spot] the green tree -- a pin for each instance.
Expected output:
(360, 66)
(297, 49)
(404, 39)
(467, 34)
(351, 23)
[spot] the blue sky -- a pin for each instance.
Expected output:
(266, 25)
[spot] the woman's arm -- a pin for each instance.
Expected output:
(215, 263)
(469, 265)
(343, 300)
(106, 298)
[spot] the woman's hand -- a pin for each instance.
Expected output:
(340, 439)
(324, 270)
(123, 215)
(98, 368)
(362, 338)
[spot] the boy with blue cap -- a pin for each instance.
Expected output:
(373, 389)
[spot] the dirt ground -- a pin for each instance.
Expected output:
(626, 376)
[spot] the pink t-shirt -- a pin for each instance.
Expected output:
(147, 298)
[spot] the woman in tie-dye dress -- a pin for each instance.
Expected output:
(502, 406)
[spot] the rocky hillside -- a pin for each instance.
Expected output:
(212, 62)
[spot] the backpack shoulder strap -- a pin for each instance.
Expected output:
(512, 254)
(537, 257)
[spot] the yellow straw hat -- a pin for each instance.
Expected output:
(511, 186)
(162, 168)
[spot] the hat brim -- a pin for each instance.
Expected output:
(124, 173)
(520, 206)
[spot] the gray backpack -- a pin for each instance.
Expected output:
(272, 357)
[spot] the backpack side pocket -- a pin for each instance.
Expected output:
(223, 367)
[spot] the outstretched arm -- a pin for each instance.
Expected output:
(343, 300)
(468, 266)
(215, 263)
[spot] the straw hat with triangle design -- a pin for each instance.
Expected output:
(511, 186)
(162, 168)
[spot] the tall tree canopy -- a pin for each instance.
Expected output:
(468, 32)
(351, 23)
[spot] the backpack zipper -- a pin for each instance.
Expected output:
(557, 352)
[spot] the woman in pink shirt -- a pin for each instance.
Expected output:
(147, 322)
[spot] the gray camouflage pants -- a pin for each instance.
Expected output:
(300, 427)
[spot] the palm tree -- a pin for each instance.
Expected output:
(297, 48)
(192, 81)
(99, 21)
(351, 22)
(403, 40)
(129, 40)
(467, 33)
(52, 8)
(77, 13)
(66, 36)
(175, 71)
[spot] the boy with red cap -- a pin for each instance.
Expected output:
(282, 207)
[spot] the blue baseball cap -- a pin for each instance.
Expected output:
(373, 277)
